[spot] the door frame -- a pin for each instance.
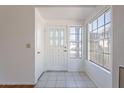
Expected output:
(74, 63)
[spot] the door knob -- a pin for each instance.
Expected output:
(65, 50)
(64, 46)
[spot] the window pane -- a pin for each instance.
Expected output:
(100, 59)
(80, 37)
(73, 46)
(80, 30)
(106, 61)
(73, 54)
(101, 20)
(91, 55)
(109, 45)
(75, 38)
(72, 30)
(95, 35)
(99, 41)
(92, 45)
(108, 17)
(96, 46)
(94, 24)
(106, 46)
(101, 33)
(109, 61)
(95, 57)
(80, 53)
(80, 46)
(77, 30)
(72, 38)
(91, 35)
(88, 49)
(90, 27)
(101, 46)
(108, 31)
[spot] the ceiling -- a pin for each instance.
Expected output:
(65, 12)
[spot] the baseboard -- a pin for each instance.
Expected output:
(40, 75)
(17, 86)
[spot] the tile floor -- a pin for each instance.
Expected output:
(64, 80)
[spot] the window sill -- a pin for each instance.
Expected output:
(100, 67)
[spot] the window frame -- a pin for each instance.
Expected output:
(109, 38)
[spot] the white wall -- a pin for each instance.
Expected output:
(76, 65)
(16, 30)
(39, 44)
(19, 26)
(118, 42)
(64, 22)
(100, 76)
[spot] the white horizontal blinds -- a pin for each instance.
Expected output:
(99, 40)
(75, 42)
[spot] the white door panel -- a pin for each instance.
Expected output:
(56, 48)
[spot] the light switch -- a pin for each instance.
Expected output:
(28, 45)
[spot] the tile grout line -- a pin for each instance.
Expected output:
(65, 79)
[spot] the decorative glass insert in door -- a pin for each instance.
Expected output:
(56, 37)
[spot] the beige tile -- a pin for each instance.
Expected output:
(60, 74)
(81, 84)
(70, 84)
(78, 78)
(52, 78)
(69, 78)
(76, 74)
(64, 79)
(43, 78)
(85, 78)
(60, 84)
(50, 84)
(90, 84)
(68, 73)
(41, 84)
(61, 78)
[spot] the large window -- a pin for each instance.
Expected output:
(99, 40)
(75, 41)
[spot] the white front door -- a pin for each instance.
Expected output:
(56, 48)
